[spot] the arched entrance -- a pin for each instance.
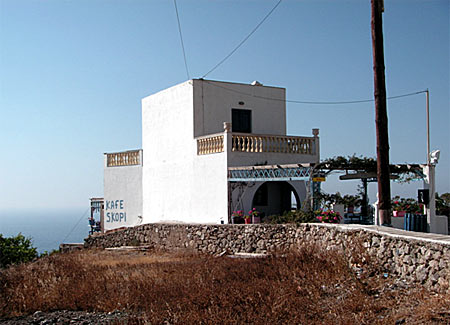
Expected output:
(275, 198)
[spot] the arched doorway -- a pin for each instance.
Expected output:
(275, 198)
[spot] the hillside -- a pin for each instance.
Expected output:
(308, 286)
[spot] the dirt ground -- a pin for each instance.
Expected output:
(302, 287)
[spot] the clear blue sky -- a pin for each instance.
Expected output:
(73, 73)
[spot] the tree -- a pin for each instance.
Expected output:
(443, 204)
(446, 198)
(14, 250)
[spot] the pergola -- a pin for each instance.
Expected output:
(365, 170)
(292, 172)
(367, 174)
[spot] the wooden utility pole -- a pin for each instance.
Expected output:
(383, 175)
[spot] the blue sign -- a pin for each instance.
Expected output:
(115, 216)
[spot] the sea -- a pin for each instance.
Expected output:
(47, 230)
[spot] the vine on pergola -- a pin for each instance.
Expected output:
(405, 172)
(354, 162)
(346, 200)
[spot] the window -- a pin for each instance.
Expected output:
(241, 120)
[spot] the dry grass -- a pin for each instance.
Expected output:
(308, 287)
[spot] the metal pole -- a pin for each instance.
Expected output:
(428, 127)
(430, 177)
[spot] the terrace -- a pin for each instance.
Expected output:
(284, 149)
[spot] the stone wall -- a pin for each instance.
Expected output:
(400, 254)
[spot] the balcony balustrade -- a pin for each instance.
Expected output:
(254, 143)
(209, 145)
(270, 143)
(126, 158)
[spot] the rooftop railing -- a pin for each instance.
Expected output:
(126, 158)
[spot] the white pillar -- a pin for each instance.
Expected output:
(315, 133)
(430, 184)
(376, 216)
(227, 144)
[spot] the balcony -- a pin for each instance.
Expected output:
(305, 148)
(125, 158)
(272, 144)
(210, 144)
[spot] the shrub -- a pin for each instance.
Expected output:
(14, 250)
(49, 253)
(443, 204)
(327, 200)
(297, 216)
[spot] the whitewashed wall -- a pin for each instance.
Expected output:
(167, 127)
(178, 185)
(210, 188)
(213, 101)
(123, 196)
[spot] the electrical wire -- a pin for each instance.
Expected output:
(76, 225)
(181, 38)
(351, 101)
(314, 102)
(243, 41)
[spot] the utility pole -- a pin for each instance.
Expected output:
(383, 175)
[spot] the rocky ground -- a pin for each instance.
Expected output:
(68, 317)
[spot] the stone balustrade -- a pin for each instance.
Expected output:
(126, 158)
(272, 143)
(209, 145)
(254, 143)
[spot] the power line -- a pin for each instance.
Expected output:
(181, 38)
(243, 41)
(76, 225)
(406, 95)
(351, 101)
(314, 102)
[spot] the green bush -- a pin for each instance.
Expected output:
(49, 253)
(443, 204)
(14, 250)
(297, 216)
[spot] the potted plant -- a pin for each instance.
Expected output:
(397, 207)
(236, 216)
(401, 206)
(254, 214)
(247, 220)
(329, 216)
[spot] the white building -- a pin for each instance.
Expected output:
(196, 137)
